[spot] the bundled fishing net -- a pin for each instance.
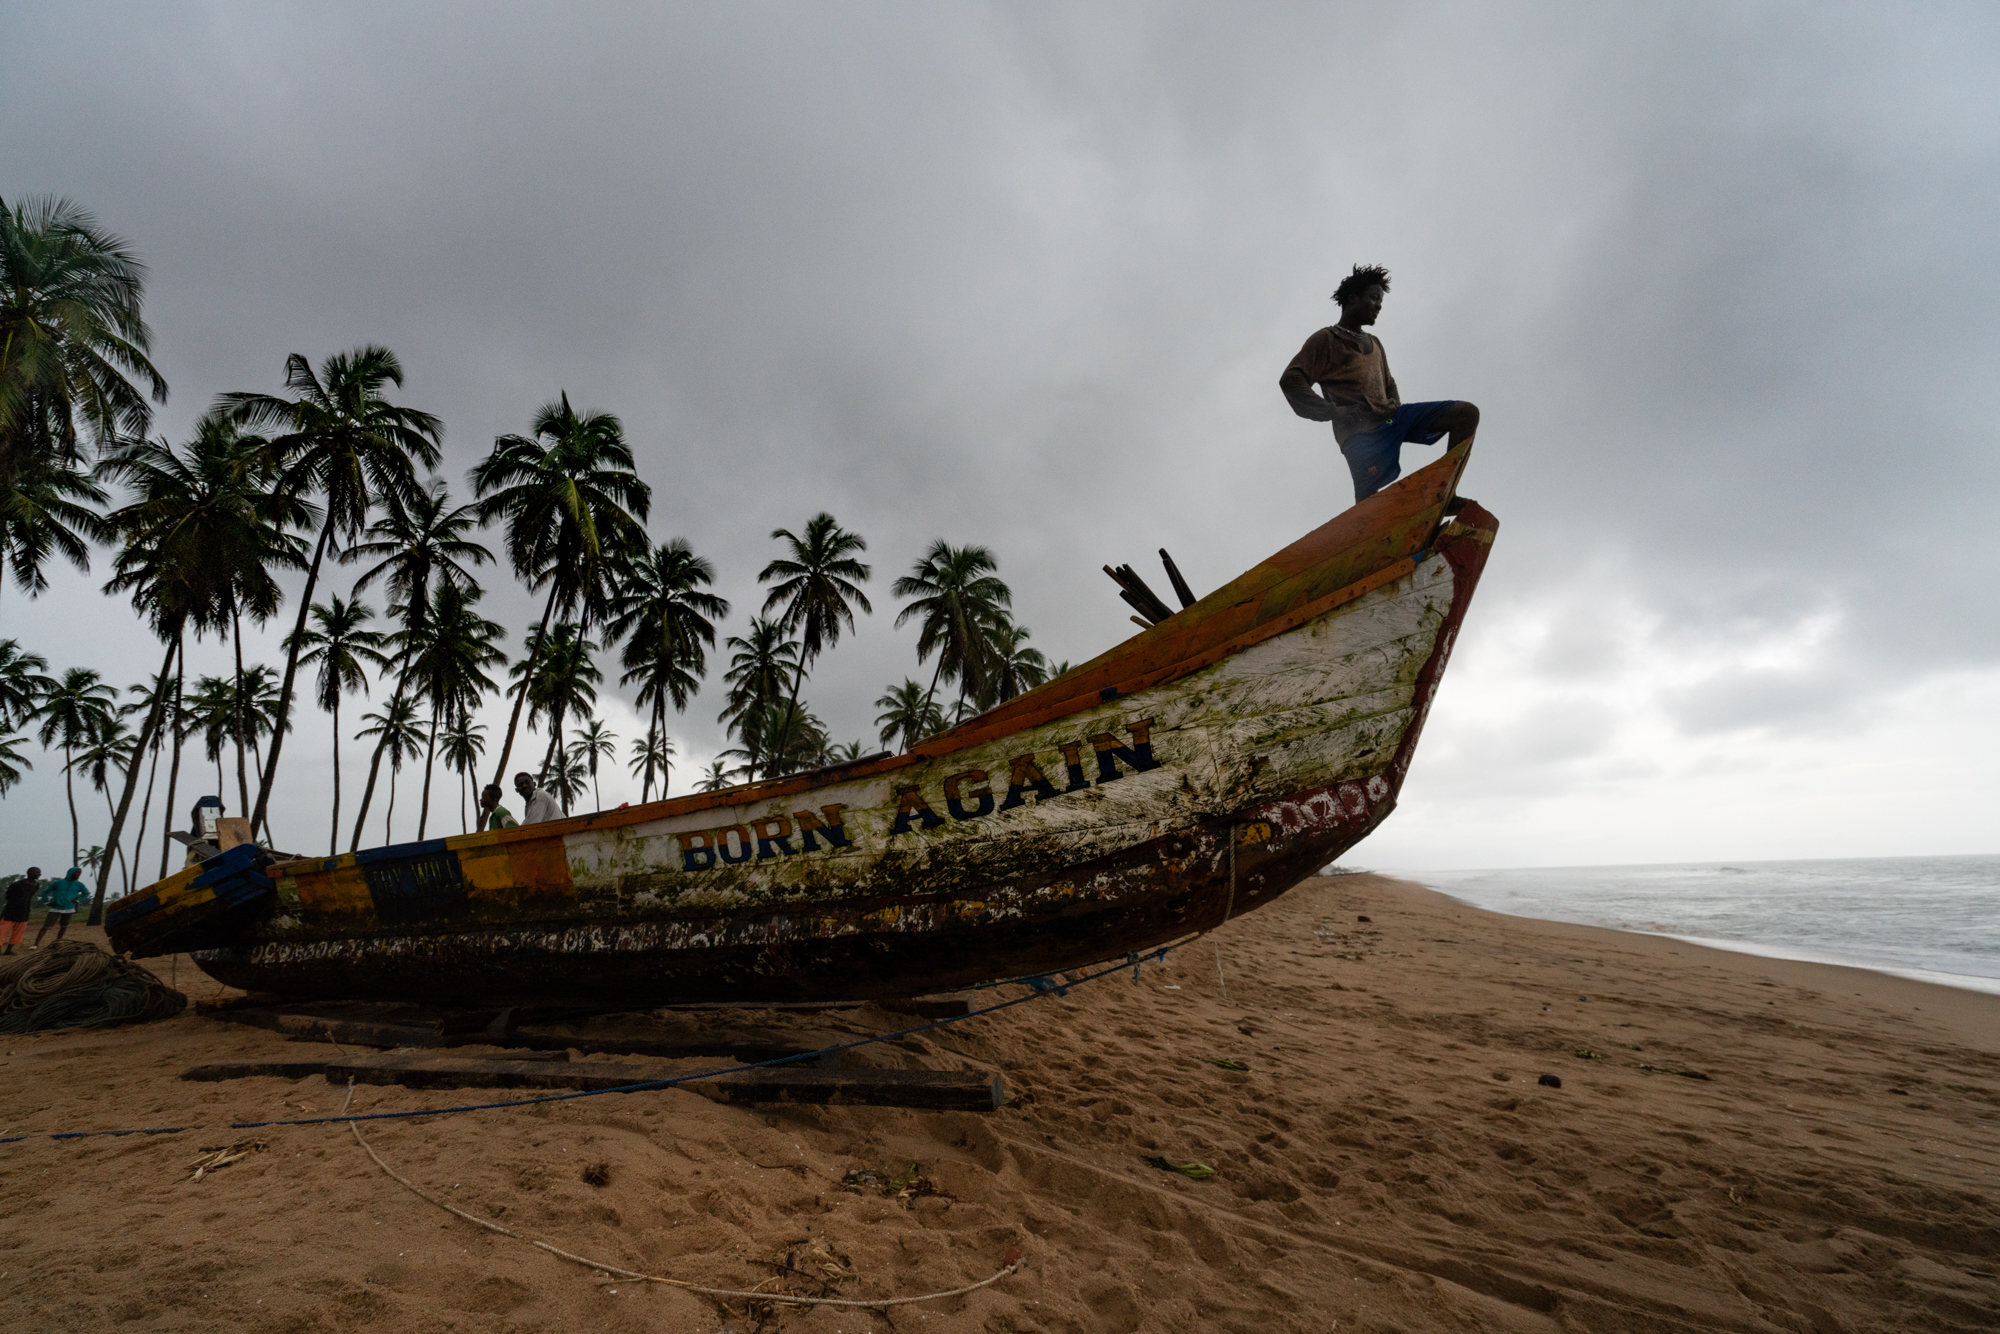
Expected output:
(74, 984)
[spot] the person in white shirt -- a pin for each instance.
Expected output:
(541, 806)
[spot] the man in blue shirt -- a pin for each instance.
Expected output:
(64, 897)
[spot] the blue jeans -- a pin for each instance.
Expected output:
(1375, 457)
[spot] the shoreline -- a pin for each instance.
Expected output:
(1972, 1012)
(1787, 953)
(1735, 1143)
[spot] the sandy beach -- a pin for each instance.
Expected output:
(1738, 1143)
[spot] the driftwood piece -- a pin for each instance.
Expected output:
(931, 1090)
(937, 1090)
(220, 1070)
(934, 1090)
(315, 1028)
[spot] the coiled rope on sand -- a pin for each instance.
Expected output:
(74, 984)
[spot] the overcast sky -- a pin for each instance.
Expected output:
(1722, 280)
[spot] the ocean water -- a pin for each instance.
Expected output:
(1933, 918)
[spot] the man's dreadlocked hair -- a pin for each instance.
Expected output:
(1364, 277)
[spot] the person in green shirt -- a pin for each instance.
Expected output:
(64, 897)
(492, 815)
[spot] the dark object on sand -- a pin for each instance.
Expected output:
(1198, 770)
(929, 1090)
(74, 984)
(1550, 1081)
(1364, 919)
(597, 1174)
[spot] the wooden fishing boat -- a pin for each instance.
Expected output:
(1195, 771)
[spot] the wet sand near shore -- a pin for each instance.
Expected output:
(1738, 1143)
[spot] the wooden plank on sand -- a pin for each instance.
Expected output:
(937, 1090)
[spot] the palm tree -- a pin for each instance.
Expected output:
(403, 737)
(955, 597)
(717, 778)
(255, 702)
(71, 714)
(1014, 667)
(12, 761)
(652, 752)
(781, 739)
(212, 711)
(594, 742)
(45, 510)
(668, 624)
(760, 674)
(340, 439)
(199, 538)
(343, 648)
(419, 546)
(112, 744)
(564, 682)
(820, 585)
(22, 683)
(204, 532)
(573, 504)
(71, 337)
(464, 743)
(420, 537)
(447, 661)
(564, 774)
(908, 713)
(147, 696)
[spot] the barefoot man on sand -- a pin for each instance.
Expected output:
(1370, 421)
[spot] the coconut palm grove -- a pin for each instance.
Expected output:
(331, 482)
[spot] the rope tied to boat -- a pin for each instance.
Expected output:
(74, 984)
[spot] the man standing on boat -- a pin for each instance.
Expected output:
(1370, 420)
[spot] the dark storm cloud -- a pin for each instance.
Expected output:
(1721, 279)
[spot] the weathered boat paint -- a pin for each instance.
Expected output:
(1200, 768)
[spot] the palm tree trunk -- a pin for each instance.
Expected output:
(145, 813)
(108, 810)
(464, 823)
(666, 766)
(69, 786)
(375, 767)
(646, 786)
(368, 792)
(792, 704)
(236, 713)
(935, 677)
(521, 696)
(430, 755)
(131, 785)
(174, 770)
(333, 838)
(389, 816)
(291, 672)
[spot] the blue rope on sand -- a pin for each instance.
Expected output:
(1039, 986)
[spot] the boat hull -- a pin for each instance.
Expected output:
(1064, 831)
